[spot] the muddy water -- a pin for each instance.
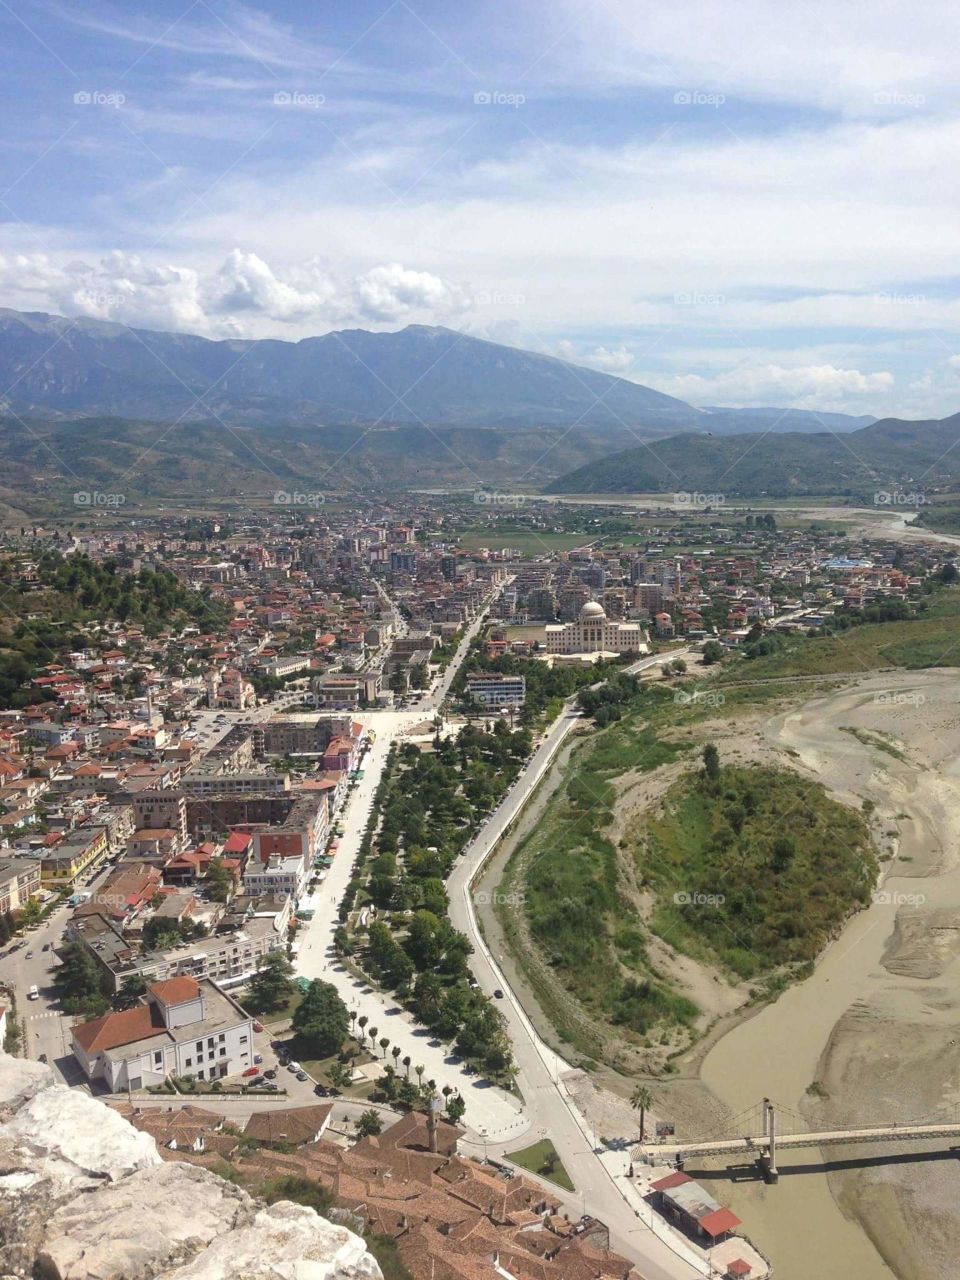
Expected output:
(778, 1053)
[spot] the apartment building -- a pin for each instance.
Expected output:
(493, 690)
(19, 882)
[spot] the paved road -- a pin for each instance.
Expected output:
(599, 1176)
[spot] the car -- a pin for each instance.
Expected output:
(251, 1071)
(271, 1073)
(301, 1075)
(47, 946)
(33, 993)
(258, 1026)
(498, 994)
(271, 1087)
(293, 1066)
(258, 1081)
(42, 1057)
(29, 955)
(320, 1090)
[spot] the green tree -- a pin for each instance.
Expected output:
(79, 983)
(711, 762)
(369, 1124)
(132, 990)
(272, 986)
(30, 913)
(712, 652)
(641, 1100)
(221, 880)
(321, 1021)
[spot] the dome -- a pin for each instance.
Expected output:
(592, 612)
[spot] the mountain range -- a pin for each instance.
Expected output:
(892, 453)
(53, 367)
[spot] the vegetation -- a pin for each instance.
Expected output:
(753, 867)
(320, 1021)
(79, 982)
(272, 986)
(542, 1158)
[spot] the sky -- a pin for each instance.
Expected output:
(750, 204)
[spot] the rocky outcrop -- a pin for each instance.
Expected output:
(85, 1196)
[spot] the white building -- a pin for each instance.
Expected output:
(593, 632)
(492, 689)
(183, 1028)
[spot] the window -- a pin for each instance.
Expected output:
(210, 1042)
(243, 1039)
(158, 1057)
(221, 1037)
(223, 1052)
(199, 1046)
(188, 1062)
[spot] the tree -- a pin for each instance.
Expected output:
(221, 881)
(31, 913)
(132, 990)
(455, 1108)
(79, 983)
(320, 1020)
(272, 986)
(711, 762)
(369, 1124)
(339, 1076)
(406, 1063)
(712, 652)
(641, 1099)
(384, 1045)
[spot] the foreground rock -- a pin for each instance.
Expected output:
(85, 1196)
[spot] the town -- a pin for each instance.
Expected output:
(212, 733)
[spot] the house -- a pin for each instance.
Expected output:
(295, 1125)
(183, 1028)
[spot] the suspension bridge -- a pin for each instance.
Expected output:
(763, 1146)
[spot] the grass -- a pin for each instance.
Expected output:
(527, 542)
(543, 1160)
(876, 740)
(755, 870)
(931, 640)
(566, 870)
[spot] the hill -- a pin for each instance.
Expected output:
(892, 453)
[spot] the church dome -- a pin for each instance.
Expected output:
(592, 612)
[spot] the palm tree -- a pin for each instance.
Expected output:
(395, 1053)
(406, 1063)
(372, 1033)
(363, 1020)
(420, 1070)
(384, 1045)
(353, 1019)
(640, 1100)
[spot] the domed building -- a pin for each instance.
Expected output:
(594, 633)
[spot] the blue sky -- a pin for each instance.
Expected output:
(750, 204)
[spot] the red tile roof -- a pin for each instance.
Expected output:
(721, 1220)
(116, 1029)
(176, 990)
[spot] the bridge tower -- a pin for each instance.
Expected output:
(770, 1133)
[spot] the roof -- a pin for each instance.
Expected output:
(676, 1179)
(738, 1267)
(718, 1222)
(116, 1029)
(296, 1124)
(176, 990)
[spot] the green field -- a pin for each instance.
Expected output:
(526, 541)
(542, 1159)
(932, 640)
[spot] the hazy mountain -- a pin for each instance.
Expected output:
(782, 420)
(55, 367)
(888, 453)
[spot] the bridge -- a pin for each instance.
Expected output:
(764, 1146)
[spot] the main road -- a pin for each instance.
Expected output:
(499, 1122)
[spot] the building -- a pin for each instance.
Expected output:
(182, 1028)
(685, 1202)
(78, 852)
(493, 690)
(19, 882)
(593, 632)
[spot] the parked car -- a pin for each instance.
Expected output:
(29, 955)
(258, 1058)
(33, 993)
(257, 1026)
(252, 1071)
(293, 1066)
(271, 1073)
(320, 1090)
(301, 1075)
(498, 994)
(42, 1057)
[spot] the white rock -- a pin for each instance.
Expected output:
(136, 1228)
(20, 1079)
(285, 1242)
(70, 1133)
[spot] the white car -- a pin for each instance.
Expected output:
(33, 993)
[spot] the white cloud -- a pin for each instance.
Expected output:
(803, 387)
(392, 292)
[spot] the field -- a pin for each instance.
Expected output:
(524, 540)
(542, 1159)
(932, 640)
